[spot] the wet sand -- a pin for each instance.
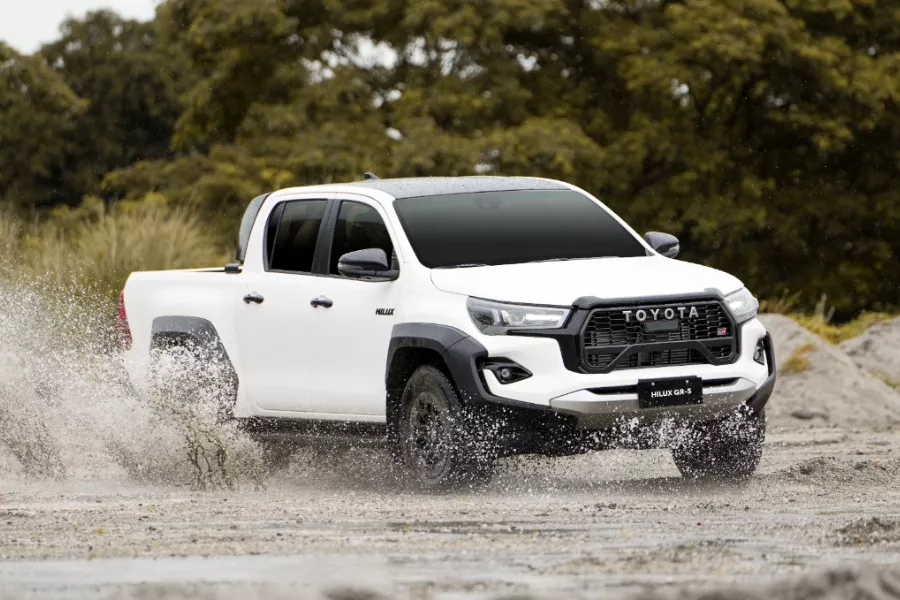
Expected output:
(605, 524)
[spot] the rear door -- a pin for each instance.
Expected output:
(279, 349)
(353, 332)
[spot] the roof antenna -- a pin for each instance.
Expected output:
(368, 176)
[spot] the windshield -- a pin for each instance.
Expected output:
(500, 228)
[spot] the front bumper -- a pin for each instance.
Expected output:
(556, 396)
(599, 410)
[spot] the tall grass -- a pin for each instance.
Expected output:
(94, 249)
(10, 234)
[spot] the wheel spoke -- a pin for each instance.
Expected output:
(428, 433)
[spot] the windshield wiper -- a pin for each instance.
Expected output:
(463, 266)
(568, 259)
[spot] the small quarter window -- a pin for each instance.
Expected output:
(247, 222)
(295, 233)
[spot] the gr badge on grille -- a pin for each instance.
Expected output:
(655, 314)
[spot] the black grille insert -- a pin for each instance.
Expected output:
(632, 337)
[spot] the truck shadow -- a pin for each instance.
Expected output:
(336, 467)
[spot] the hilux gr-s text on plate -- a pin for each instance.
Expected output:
(465, 319)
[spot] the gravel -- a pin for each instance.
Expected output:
(100, 496)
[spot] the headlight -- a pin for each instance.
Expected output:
(495, 318)
(742, 304)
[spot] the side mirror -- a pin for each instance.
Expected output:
(370, 263)
(664, 243)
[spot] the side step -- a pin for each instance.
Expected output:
(302, 432)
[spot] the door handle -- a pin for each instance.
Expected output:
(322, 301)
(253, 297)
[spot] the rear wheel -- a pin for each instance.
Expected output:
(438, 443)
(189, 371)
(730, 448)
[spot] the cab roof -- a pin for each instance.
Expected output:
(413, 187)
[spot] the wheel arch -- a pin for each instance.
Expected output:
(413, 345)
(195, 332)
(412, 340)
(170, 328)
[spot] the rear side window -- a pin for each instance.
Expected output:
(292, 233)
(359, 226)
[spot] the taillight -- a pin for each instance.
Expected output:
(122, 328)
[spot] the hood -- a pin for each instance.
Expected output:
(561, 283)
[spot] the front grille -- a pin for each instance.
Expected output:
(612, 341)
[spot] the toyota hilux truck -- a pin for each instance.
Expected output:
(463, 319)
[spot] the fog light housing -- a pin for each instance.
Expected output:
(759, 355)
(506, 371)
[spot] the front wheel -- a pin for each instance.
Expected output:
(730, 448)
(437, 441)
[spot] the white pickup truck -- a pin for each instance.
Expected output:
(463, 319)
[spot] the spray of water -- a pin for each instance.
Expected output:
(67, 410)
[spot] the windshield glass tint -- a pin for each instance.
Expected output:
(498, 228)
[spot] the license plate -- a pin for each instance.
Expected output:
(678, 391)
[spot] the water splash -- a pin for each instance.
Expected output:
(68, 412)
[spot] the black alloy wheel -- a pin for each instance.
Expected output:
(439, 446)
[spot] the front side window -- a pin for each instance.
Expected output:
(499, 228)
(292, 233)
(358, 227)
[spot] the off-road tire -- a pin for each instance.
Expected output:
(728, 448)
(438, 441)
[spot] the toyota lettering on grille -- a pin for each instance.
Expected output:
(656, 314)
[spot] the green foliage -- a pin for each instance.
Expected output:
(37, 114)
(763, 133)
(133, 84)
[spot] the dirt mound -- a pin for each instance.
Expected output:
(869, 531)
(820, 383)
(878, 350)
(831, 472)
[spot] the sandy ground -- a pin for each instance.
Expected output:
(99, 495)
(615, 522)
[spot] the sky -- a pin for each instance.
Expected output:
(26, 24)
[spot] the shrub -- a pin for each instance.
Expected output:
(94, 248)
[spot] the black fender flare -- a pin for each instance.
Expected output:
(460, 353)
(199, 330)
(425, 336)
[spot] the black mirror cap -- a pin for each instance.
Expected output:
(369, 263)
(664, 243)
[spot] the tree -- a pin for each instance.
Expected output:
(762, 132)
(765, 146)
(133, 85)
(38, 112)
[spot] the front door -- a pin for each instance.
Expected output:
(278, 347)
(354, 331)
